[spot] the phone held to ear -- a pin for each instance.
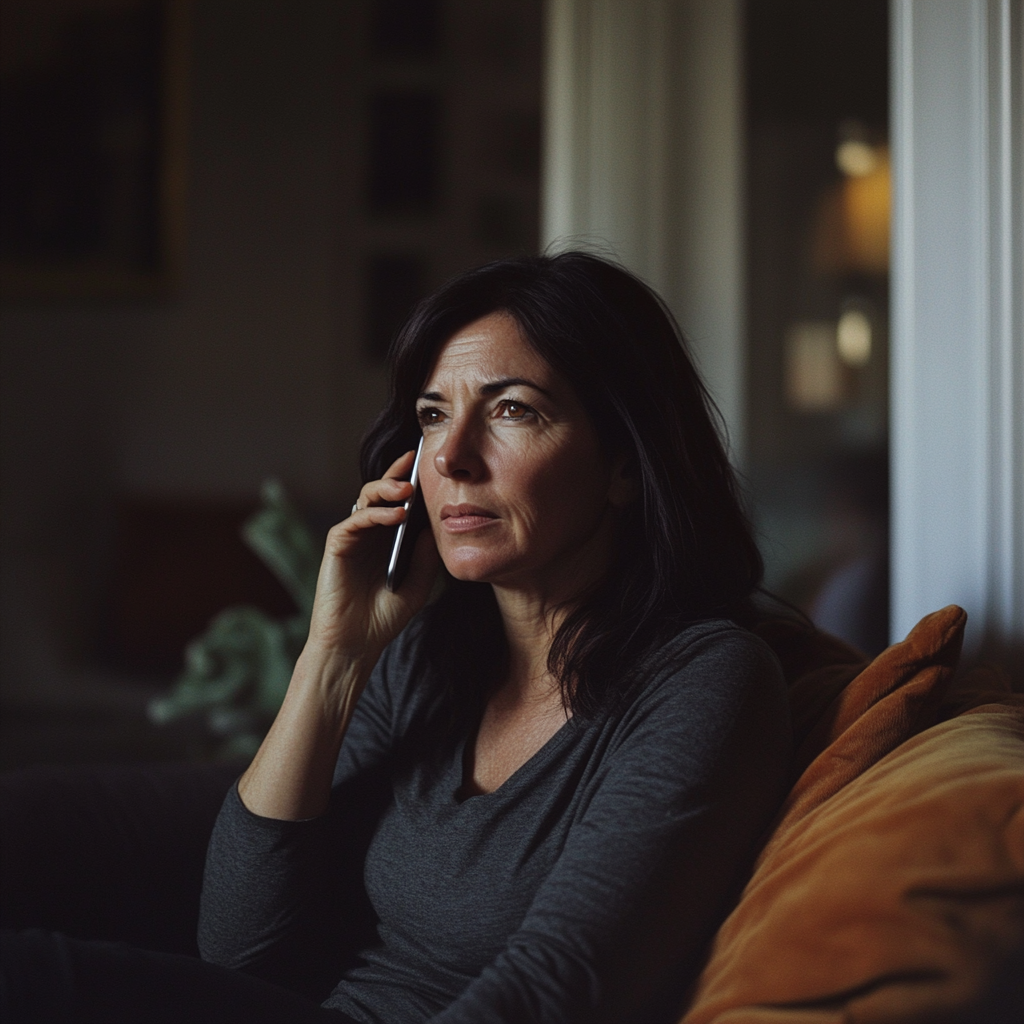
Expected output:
(408, 529)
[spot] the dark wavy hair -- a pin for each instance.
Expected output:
(685, 547)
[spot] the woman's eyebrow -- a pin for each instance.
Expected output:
(490, 388)
(509, 382)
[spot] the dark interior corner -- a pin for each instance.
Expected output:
(214, 218)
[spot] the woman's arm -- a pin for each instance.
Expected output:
(284, 899)
(290, 777)
(277, 881)
(354, 618)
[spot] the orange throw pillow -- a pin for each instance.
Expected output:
(895, 696)
(893, 881)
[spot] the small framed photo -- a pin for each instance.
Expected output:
(92, 148)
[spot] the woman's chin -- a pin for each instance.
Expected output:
(469, 573)
(474, 566)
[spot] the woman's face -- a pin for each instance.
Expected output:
(517, 487)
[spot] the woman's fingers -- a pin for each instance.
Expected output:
(345, 537)
(401, 465)
(378, 491)
(374, 515)
(391, 487)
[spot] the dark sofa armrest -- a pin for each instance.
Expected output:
(109, 852)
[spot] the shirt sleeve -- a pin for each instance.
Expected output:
(274, 892)
(616, 930)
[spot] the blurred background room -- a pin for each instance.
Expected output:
(214, 216)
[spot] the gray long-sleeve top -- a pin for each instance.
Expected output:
(583, 888)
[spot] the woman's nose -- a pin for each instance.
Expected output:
(460, 457)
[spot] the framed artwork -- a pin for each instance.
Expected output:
(404, 151)
(394, 283)
(92, 148)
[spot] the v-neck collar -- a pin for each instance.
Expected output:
(519, 778)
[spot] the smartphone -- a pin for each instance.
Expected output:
(408, 529)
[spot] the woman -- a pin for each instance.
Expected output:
(550, 777)
(529, 799)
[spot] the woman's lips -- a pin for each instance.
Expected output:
(460, 518)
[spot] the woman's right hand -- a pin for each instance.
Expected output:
(354, 615)
(354, 619)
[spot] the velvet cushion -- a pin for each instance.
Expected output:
(887, 701)
(893, 882)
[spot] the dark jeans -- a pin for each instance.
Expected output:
(48, 977)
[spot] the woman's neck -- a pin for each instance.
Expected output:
(533, 611)
(529, 631)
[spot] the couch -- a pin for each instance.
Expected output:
(889, 888)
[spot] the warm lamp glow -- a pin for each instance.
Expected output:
(853, 338)
(814, 375)
(851, 226)
(855, 158)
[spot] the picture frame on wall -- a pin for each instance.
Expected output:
(92, 148)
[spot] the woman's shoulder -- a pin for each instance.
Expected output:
(714, 661)
(716, 701)
(715, 639)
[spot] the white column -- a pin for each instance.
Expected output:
(957, 333)
(643, 157)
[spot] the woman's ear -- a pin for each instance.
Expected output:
(622, 482)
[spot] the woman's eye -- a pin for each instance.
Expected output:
(429, 415)
(512, 410)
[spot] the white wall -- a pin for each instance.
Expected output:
(643, 155)
(957, 342)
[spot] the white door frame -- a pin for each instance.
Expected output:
(957, 340)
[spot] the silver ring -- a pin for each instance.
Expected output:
(355, 509)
